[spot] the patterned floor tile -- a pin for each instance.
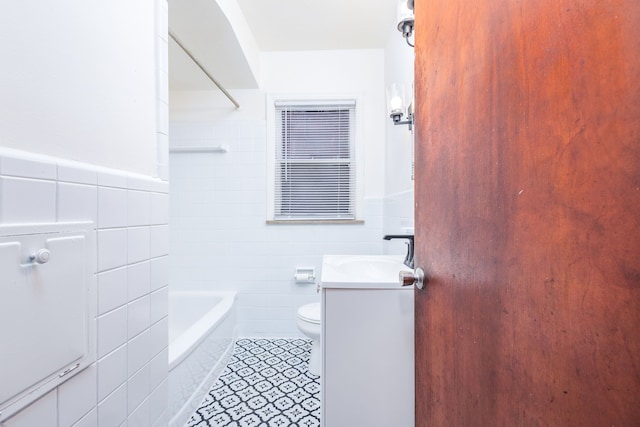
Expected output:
(265, 384)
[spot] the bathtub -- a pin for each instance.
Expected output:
(202, 332)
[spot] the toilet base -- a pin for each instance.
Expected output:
(309, 324)
(315, 361)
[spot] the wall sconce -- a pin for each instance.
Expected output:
(406, 19)
(396, 101)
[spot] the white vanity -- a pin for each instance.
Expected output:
(367, 342)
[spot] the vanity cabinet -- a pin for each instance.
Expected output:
(368, 354)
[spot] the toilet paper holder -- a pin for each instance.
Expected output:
(305, 275)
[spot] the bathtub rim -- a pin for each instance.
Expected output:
(183, 345)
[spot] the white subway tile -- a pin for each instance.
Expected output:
(27, 200)
(159, 272)
(112, 371)
(140, 416)
(42, 413)
(137, 388)
(200, 168)
(159, 368)
(77, 396)
(160, 185)
(27, 168)
(112, 178)
(77, 202)
(76, 173)
(112, 330)
(112, 207)
(138, 316)
(245, 131)
(137, 182)
(163, 148)
(112, 248)
(138, 352)
(139, 280)
(159, 240)
(158, 401)
(158, 336)
(112, 289)
(163, 420)
(162, 26)
(159, 208)
(112, 411)
(163, 117)
(139, 244)
(138, 208)
(163, 173)
(162, 84)
(89, 420)
(159, 304)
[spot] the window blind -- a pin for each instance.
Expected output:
(314, 165)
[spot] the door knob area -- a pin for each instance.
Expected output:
(42, 256)
(415, 277)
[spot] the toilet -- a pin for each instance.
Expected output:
(309, 324)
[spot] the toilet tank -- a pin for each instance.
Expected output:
(47, 308)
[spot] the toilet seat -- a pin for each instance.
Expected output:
(310, 313)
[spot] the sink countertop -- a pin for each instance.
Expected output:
(363, 272)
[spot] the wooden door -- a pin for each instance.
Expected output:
(528, 212)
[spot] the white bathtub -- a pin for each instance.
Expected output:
(202, 332)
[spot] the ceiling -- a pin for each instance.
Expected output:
(208, 29)
(319, 24)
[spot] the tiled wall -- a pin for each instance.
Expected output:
(219, 238)
(162, 87)
(398, 219)
(128, 382)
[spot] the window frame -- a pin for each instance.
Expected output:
(299, 99)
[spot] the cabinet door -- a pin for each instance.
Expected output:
(44, 312)
(368, 358)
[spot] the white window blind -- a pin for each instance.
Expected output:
(315, 162)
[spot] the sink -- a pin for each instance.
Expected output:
(362, 271)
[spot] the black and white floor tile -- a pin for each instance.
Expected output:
(266, 384)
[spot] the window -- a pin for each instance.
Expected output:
(314, 161)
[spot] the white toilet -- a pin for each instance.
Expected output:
(309, 324)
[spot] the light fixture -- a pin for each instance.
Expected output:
(406, 19)
(396, 101)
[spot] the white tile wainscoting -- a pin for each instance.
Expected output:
(128, 383)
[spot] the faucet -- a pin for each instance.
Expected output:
(408, 259)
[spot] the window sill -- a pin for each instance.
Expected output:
(315, 222)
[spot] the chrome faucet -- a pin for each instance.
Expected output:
(408, 259)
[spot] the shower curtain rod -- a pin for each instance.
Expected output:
(215, 82)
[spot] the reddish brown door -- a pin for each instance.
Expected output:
(528, 212)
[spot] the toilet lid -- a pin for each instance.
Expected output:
(310, 312)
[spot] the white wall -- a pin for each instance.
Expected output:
(82, 87)
(398, 68)
(359, 72)
(219, 236)
(398, 204)
(78, 81)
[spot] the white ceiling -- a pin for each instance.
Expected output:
(319, 24)
(276, 25)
